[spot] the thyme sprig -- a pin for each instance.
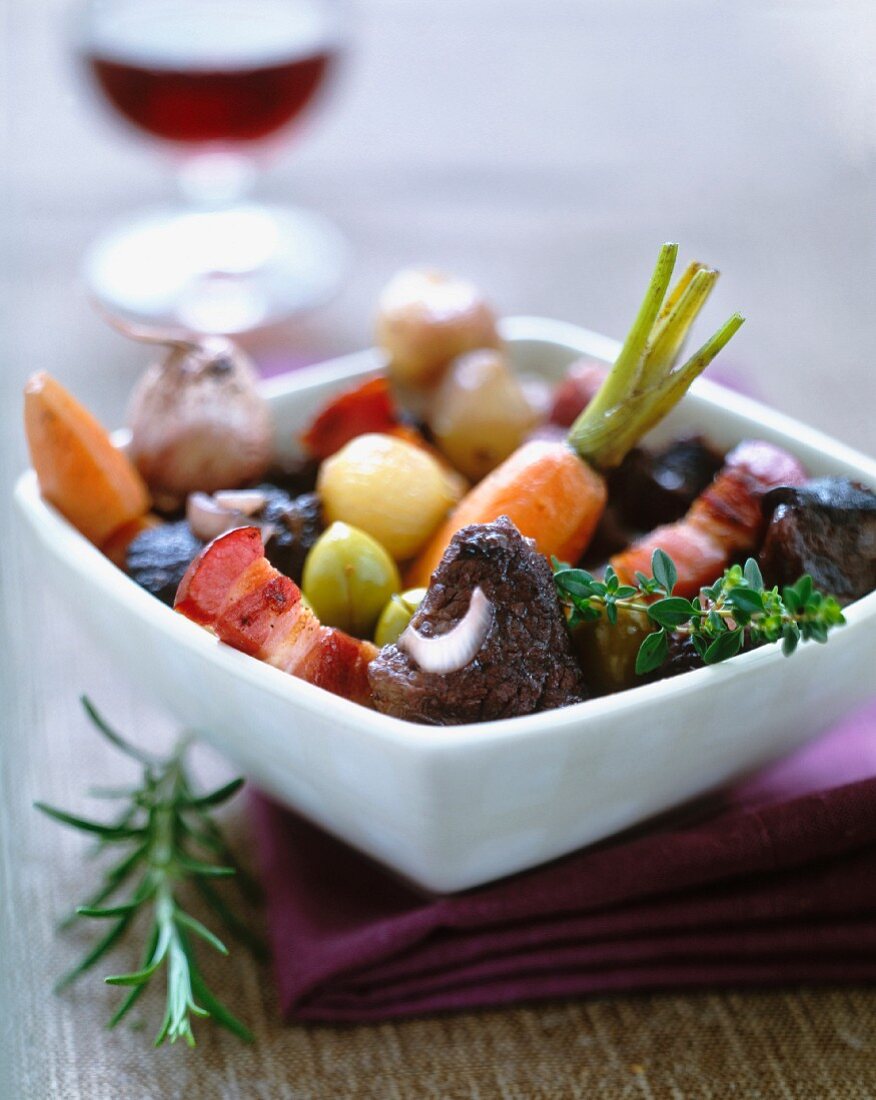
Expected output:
(737, 610)
(168, 839)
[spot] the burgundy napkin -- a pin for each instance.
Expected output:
(771, 882)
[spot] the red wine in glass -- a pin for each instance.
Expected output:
(226, 72)
(213, 80)
(211, 105)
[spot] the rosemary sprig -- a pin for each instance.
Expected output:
(735, 611)
(168, 840)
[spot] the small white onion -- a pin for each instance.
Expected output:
(206, 519)
(245, 501)
(454, 650)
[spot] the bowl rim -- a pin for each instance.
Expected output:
(86, 559)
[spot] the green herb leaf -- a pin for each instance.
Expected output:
(574, 582)
(217, 797)
(199, 867)
(803, 588)
(745, 599)
(652, 652)
(724, 646)
(700, 644)
(791, 600)
(672, 611)
(790, 638)
(753, 576)
(663, 568)
(734, 609)
(103, 914)
(106, 832)
(114, 738)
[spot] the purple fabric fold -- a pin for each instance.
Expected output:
(771, 882)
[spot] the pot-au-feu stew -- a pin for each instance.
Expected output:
(461, 543)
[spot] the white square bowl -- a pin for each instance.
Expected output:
(454, 807)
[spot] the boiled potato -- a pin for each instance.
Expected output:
(426, 318)
(387, 487)
(481, 413)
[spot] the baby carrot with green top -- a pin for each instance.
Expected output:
(555, 492)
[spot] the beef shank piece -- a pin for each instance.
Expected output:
(159, 556)
(525, 663)
(827, 528)
(295, 525)
(294, 476)
(650, 488)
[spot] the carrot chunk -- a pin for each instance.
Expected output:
(546, 491)
(90, 481)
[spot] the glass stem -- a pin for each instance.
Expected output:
(215, 180)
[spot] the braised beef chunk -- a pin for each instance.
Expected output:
(296, 524)
(650, 488)
(682, 658)
(295, 476)
(826, 528)
(525, 663)
(158, 557)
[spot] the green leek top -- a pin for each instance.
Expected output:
(644, 384)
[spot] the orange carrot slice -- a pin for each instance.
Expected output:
(544, 489)
(116, 546)
(89, 481)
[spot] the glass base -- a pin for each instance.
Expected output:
(218, 271)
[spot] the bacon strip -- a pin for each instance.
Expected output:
(232, 589)
(723, 523)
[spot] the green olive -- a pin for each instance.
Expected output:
(348, 577)
(607, 653)
(396, 616)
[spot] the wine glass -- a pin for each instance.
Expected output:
(217, 83)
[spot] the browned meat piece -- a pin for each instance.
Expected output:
(295, 476)
(651, 488)
(159, 556)
(827, 528)
(525, 663)
(295, 524)
(654, 487)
